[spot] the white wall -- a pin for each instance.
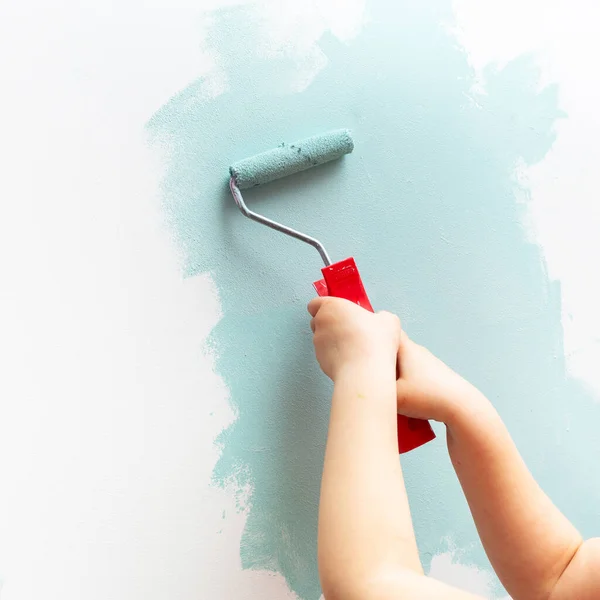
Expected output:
(105, 450)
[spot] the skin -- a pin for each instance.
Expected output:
(366, 542)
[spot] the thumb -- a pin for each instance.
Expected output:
(314, 305)
(404, 341)
(403, 354)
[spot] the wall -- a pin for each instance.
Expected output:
(162, 420)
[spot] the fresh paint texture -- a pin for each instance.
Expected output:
(109, 403)
(427, 204)
(564, 214)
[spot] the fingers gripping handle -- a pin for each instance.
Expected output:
(342, 280)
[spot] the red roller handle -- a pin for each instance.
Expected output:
(342, 280)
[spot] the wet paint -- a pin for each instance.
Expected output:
(427, 205)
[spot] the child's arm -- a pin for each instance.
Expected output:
(536, 552)
(366, 543)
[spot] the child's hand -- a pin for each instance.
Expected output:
(350, 337)
(428, 388)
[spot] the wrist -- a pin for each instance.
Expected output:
(375, 367)
(473, 409)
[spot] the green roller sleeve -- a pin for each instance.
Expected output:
(288, 159)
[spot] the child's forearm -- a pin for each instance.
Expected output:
(527, 539)
(364, 519)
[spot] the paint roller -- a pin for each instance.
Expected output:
(340, 279)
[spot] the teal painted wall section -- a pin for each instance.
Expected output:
(427, 206)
